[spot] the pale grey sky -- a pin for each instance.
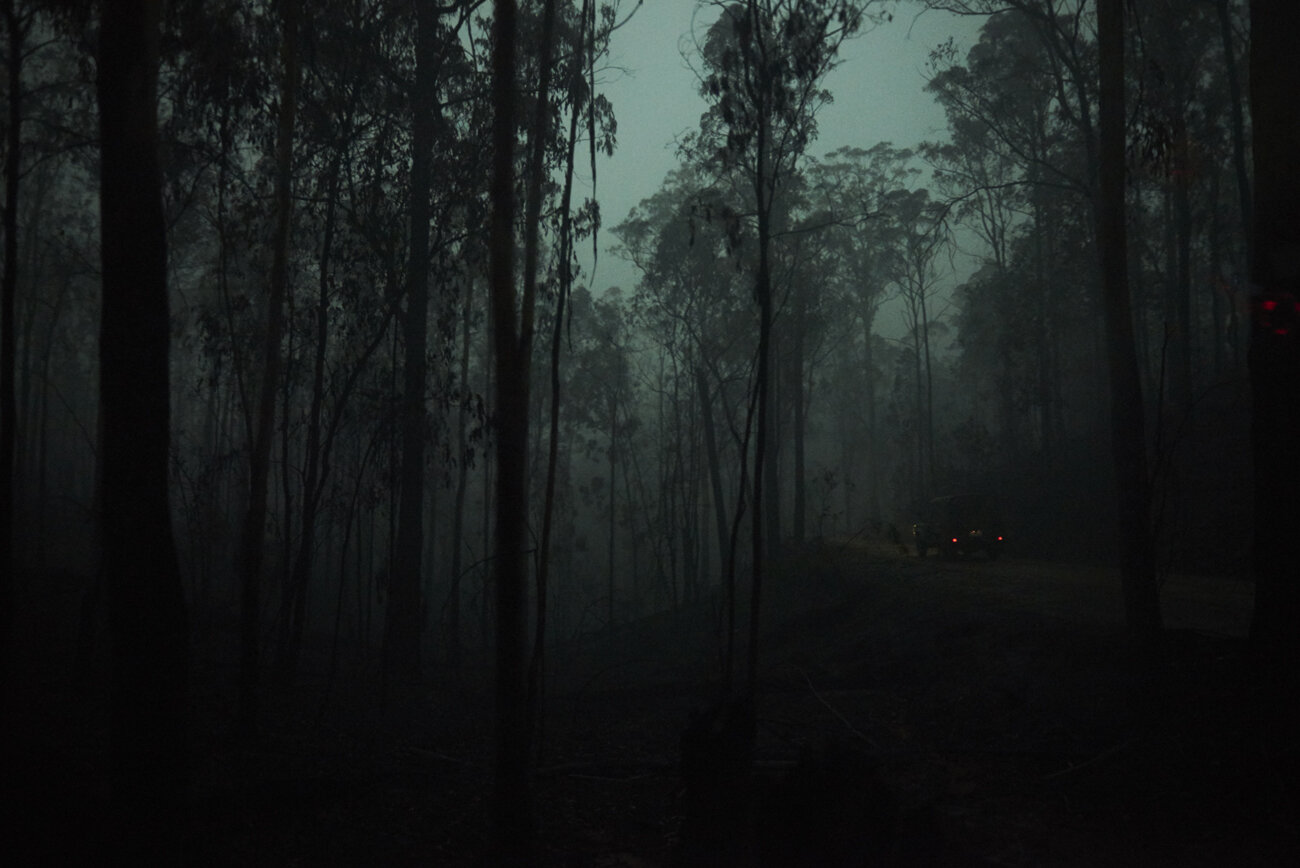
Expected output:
(878, 94)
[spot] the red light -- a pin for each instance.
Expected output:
(999, 539)
(1277, 313)
(954, 539)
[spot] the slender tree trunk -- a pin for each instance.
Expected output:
(772, 449)
(922, 485)
(1042, 340)
(350, 519)
(486, 598)
(511, 808)
(1183, 309)
(797, 398)
(1236, 99)
(629, 458)
(536, 669)
(742, 492)
(715, 469)
(43, 427)
(263, 426)
(147, 619)
(1138, 291)
(401, 656)
(1214, 241)
(538, 666)
(611, 524)
(690, 524)
(462, 484)
(1128, 431)
(312, 483)
(1178, 288)
(873, 457)
(763, 386)
(929, 391)
(16, 31)
(286, 490)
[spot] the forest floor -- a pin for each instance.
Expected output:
(995, 707)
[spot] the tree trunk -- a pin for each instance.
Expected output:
(43, 426)
(1178, 288)
(612, 523)
(762, 385)
(1042, 341)
(1274, 356)
(263, 425)
(486, 598)
(511, 809)
(312, 483)
(17, 32)
(1238, 102)
(537, 668)
(1214, 241)
(922, 487)
(147, 618)
(929, 391)
(1128, 431)
(286, 487)
(462, 484)
(1182, 360)
(401, 656)
(797, 398)
(873, 457)
(715, 470)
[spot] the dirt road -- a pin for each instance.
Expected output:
(1000, 702)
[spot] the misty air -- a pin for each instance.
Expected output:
(669, 433)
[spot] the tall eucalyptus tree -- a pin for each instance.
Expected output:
(262, 426)
(764, 63)
(511, 811)
(854, 185)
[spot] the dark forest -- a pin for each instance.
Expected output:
(923, 502)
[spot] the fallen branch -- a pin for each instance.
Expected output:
(1109, 752)
(586, 769)
(835, 711)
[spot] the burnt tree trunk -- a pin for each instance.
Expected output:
(1128, 427)
(1275, 340)
(148, 626)
(538, 133)
(16, 32)
(763, 388)
(462, 484)
(537, 671)
(401, 656)
(799, 399)
(511, 809)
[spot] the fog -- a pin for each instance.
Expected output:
(765, 280)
